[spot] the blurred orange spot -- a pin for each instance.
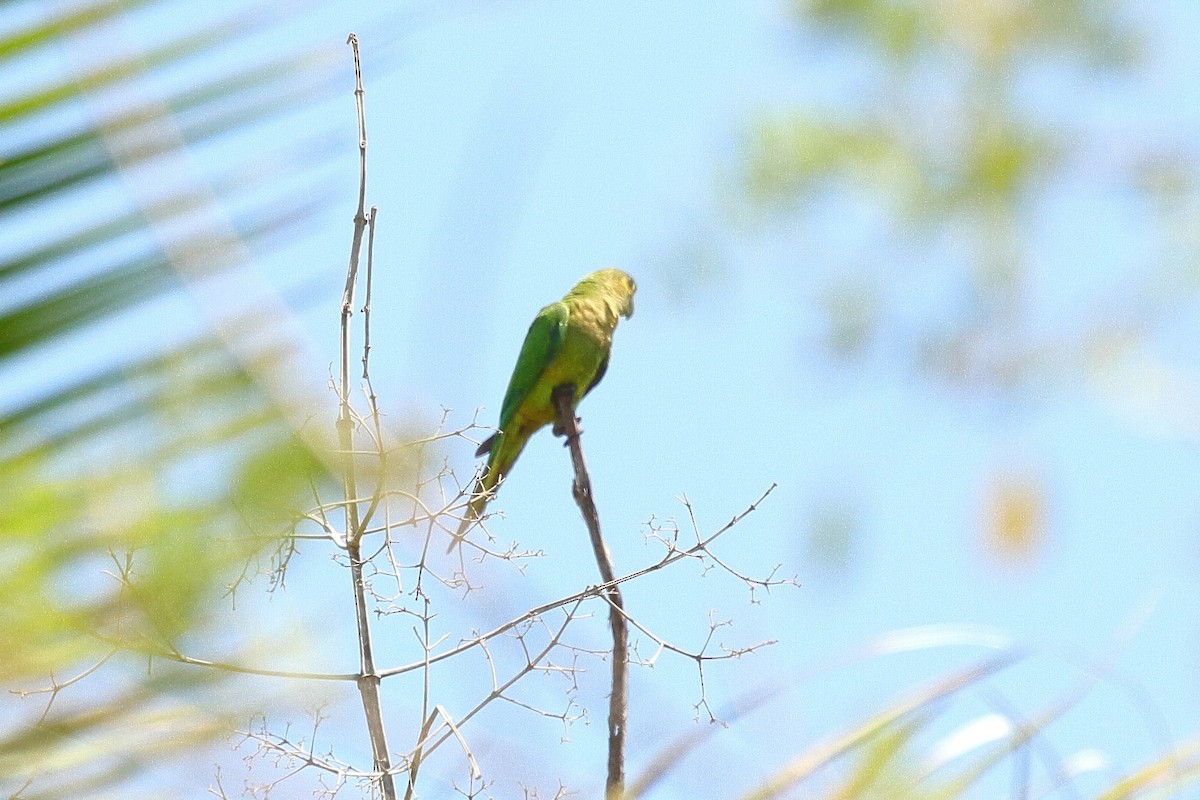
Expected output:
(1014, 516)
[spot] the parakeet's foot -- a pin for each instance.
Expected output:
(557, 430)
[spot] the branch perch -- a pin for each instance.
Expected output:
(567, 425)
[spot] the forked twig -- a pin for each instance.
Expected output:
(368, 677)
(57, 686)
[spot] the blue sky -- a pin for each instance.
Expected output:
(514, 147)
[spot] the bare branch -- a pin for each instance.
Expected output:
(368, 679)
(618, 710)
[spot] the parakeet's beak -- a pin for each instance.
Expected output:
(629, 302)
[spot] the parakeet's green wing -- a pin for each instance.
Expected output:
(542, 344)
(599, 374)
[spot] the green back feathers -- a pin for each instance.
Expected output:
(542, 343)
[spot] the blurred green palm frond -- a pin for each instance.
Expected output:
(909, 750)
(1181, 767)
(145, 466)
(935, 743)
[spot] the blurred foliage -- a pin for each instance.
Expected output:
(832, 536)
(949, 138)
(1179, 767)
(884, 767)
(997, 33)
(145, 480)
(934, 149)
(918, 748)
(943, 155)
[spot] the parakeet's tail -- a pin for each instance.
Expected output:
(503, 451)
(484, 491)
(479, 498)
(486, 446)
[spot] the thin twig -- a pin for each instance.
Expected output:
(418, 755)
(498, 690)
(378, 494)
(618, 703)
(55, 686)
(672, 557)
(366, 309)
(368, 678)
(223, 666)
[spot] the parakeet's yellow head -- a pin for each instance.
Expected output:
(615, 285)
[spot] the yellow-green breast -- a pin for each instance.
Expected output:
(585, 345)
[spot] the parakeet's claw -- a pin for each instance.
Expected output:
(558, 430)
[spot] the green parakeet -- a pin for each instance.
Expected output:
(568, 343)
